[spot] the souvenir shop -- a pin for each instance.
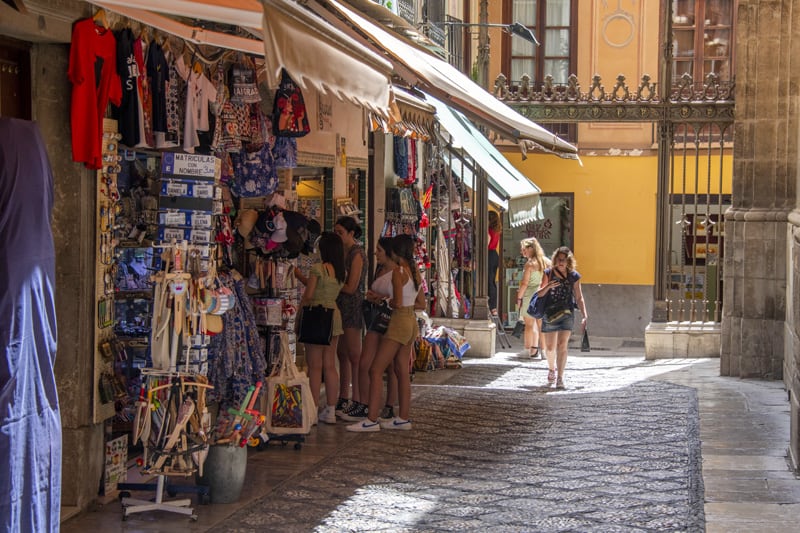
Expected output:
(210, 177)
(211, 188)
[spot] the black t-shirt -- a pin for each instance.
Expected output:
(158, 72)
(127, 114)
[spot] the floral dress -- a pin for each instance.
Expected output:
(351, 304)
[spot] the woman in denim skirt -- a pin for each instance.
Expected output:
(561, 286)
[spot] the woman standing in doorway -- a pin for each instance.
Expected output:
(495, 231)
(324, 283)
(535, 263)
(350, 302)
(561, 285)
(393, 349)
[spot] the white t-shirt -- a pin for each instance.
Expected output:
(199, 93)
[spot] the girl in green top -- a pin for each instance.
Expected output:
(323, 285)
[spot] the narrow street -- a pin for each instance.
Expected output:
(494, 448)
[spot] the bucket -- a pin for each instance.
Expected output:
(224, 472)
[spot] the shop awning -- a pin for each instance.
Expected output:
(509, 183)
(309, 48)
(440, 79)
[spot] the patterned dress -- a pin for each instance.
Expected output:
(351, 304)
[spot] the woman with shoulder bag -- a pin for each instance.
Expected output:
(562, 286)
(379, 292)
(531, 278)
(324, 283)
(393, 349)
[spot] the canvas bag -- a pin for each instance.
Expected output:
(289, 116)
(290, 406)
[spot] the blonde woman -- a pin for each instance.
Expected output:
(535, 263)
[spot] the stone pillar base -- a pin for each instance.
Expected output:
(670, 340)
(480, 334)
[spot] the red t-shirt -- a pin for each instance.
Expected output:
(494, 239)
(93, 73)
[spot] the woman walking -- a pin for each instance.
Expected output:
(350, 302)
(324, 283)
(393, 349)
(561, 286)
(535, 263)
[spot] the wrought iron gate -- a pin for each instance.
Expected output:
(693, 127)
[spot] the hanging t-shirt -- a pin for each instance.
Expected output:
(127, 114)
(199, 92)
(158, 72)
(95, 82)
(145, 97)
(175, 106)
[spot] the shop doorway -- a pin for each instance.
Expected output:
(15, 79)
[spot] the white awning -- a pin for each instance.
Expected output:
(508, 182)
(313, 51)
(309, 48)
(439, 78)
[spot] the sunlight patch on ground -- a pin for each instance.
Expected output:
(584, 374)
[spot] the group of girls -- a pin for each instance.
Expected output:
(338, 282)
(557, 280)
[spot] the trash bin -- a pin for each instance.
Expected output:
(224, 472)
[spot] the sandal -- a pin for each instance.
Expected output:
(551, 377)
(534, 352)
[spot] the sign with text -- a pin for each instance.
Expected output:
(198, 166)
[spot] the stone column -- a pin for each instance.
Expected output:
(764, 189)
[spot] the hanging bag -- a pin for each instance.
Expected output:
(290, 408)
(381, 316)
(537, 306)
(585, 347)
(289, 117)
(316, 325)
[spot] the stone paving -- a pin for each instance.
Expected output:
(494, 448)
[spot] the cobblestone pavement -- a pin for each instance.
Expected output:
(494, 449)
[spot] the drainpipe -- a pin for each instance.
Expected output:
(665, 134)
(483, 45)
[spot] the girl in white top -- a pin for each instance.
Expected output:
(380, 290)
(394, 347)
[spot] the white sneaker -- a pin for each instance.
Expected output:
(328, 415)
(396, 423)
(364, 425)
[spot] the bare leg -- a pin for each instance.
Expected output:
(331, 376)
(528, 336)
(535, 333)
(368, 350)
(391, 387)
(561, 351)
(387, 350)
(314, 362)
(550, 348)
(351, 339)
(345, 372)
(403, 379)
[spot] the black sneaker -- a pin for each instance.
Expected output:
(343, 405)
(356, 413)
(387, 413)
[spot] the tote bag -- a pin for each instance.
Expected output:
(290, 406)
(537, 305)
(316, 325)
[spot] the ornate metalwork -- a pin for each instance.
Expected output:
(710, 101)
